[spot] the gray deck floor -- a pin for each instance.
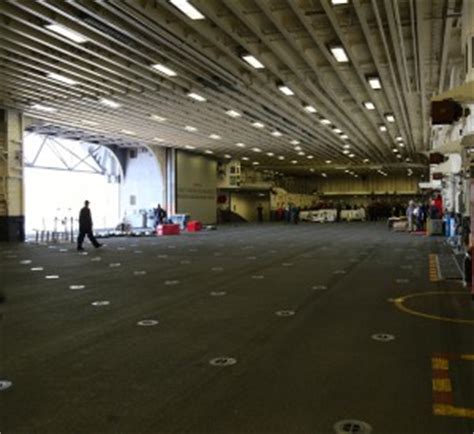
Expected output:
(83, 369)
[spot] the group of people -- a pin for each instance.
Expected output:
(418, 213)
(289, 213)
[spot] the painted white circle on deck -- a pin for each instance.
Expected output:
(147, 323)
(5, 384)
(100, 303)
(223, 361)
(383, 337)
(285, 313)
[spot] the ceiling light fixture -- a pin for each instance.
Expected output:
(228, 156)
(344, 137)
(276, 134)
(110, 103)
(157, 118)
(196, 96)
(325, 121)
(310, 109)
(310, 157)
(390, 117)
(270, 154)
(298, 148)
(399, 139)
(328, 161)
(215, 136)
(256, 150)
(66, 32)
(233, 113)
(240, 145)
(383, 128)
(346, 146)
(164, 70)
(190, 128)
(285, 90)
(281, 157)
(44, 108)
(336, 130)
(190, 147)
(187, 9)
(294, 161)
(253, 61)
(339, 53)
(295, 142)
(374, 82)
(130, 133)
(257, 124)
(339, 2)
(245, 158)
(208, 151)
(158, 139)
(324, 175)
(369, 105)
(61, 78)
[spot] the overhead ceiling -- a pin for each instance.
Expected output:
(412, 46)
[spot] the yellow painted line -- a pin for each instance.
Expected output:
(434, 268)
(399, 303)
(442, 385)
(469, 357)
(450, 410)
(438, 363)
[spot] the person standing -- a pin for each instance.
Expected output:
(85, 227)
(160, 215)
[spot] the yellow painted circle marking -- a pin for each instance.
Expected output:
(399, 302)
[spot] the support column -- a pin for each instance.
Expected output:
(12, 216)
(170, 181)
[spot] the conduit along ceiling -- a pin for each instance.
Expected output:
(292, 85)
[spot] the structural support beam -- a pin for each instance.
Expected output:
(12, 219)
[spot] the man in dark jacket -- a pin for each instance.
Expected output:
(85, 227)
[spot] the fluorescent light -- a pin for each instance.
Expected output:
(233, 113)
(245, 158)
(399, 156)
(256, 150)
(276, 134)
(298, 148)
(336, 130)
(390, 117)
(190, 128)
(351, 155)
(328, 161)
(255, 163)
(310, 109)
(374, 82)
(346, 147)
(399, 139)
(369, 105)
(227, 156)
(401, 144)
(395, 150)
(68, 33)
(311, 170)
(310, 157)
(61, 78)
(295, 142)
(164, 70)
(157, 118)
(253, 61)
(190, 147)
(215, 137)
(346, 151)
(344, 137)
(339, 54)
(294, 161)
(44, 108)
(286, 90)
(196, 96)
(110, 103)
(365, 160)
(187, 9)
(91, 123)
(130, 133)
(158, 139)
(258, 125)
(208, 151)
(281, 157)
(325, 121)
(240, 145)
(270, 154)
(382, 128)
(301, 153)
(324, 175)
(339, 2)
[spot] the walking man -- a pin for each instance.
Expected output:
(85, 227)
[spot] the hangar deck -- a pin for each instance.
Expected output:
(79, 368)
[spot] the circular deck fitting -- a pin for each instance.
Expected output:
(25, 262)
(147, 322)
(51, 276)
(100, 303)
(139, 273)
(171, 282)
(223, 361)
(218, 293)
(5, 384)
(383, 337)
(352, 426)
(115, 265)
(285, 313)
(320, 287)
(76, 287)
